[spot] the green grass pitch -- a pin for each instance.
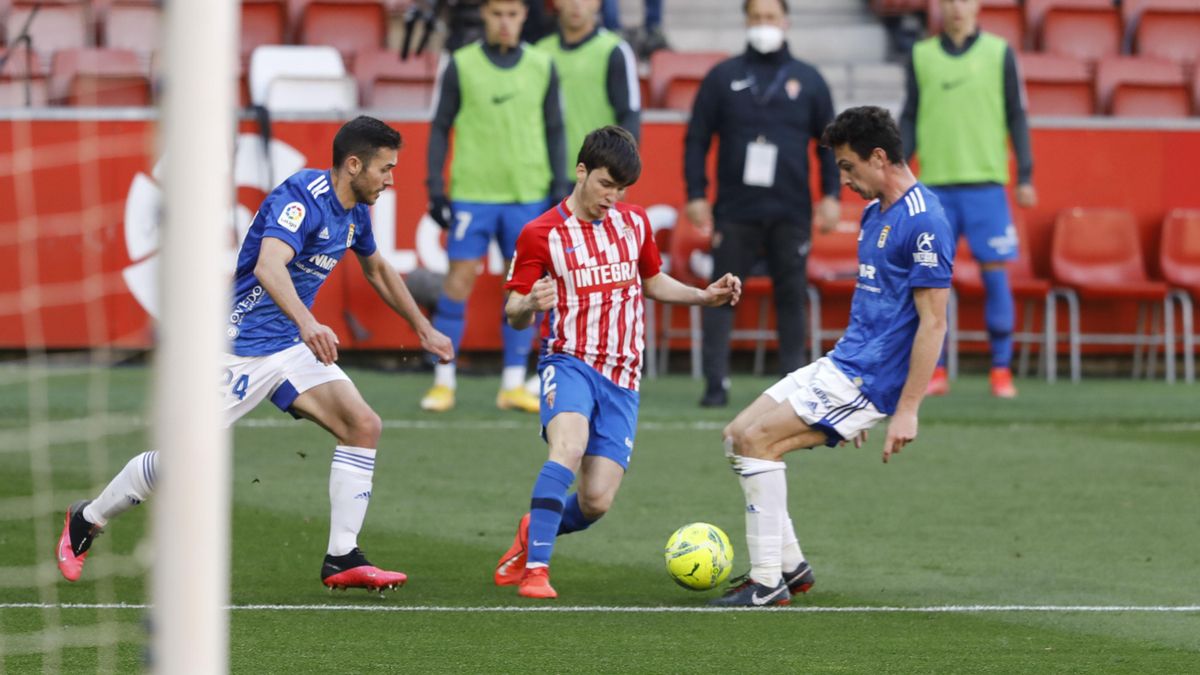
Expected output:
(1070, 496)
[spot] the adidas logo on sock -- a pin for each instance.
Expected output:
(363, 495)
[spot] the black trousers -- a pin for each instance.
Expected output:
(737, 248)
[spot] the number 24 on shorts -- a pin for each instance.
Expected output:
(239, 387)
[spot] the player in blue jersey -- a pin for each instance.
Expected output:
(879, 368)
(280, 351)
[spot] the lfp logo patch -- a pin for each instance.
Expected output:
(291, 217)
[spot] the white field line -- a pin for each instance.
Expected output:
(930, 609)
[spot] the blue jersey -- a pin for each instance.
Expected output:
(304, 212)
(909, 246)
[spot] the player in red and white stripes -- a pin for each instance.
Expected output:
(587, 262)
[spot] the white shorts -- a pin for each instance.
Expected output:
(282, 376)
(827, 400)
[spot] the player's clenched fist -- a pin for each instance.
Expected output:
(543, 295)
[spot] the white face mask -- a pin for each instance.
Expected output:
(765, 38)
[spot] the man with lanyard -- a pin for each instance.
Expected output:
(502, 101)
(765, 107)
(598, 74)
(964, 103)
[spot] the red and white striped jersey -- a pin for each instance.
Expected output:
(599, 267)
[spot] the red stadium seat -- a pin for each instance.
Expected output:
(1169, 34)
(58, 24)
(675, 77)
(263, 23)
(1179, 260)
(1135, 87)
(388, 82)
(1131, 10)
(14, 93)
(1096, 256)
(1057, 85)
(1000, 17)
(685, 240)
(1027, 289)
(832, 272)
(99, 77)
(134, 25)
(349, 26)
(1085, 29)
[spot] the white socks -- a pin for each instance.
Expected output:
(512, 377)
(132, 486)
(349, 493)
(765, 487)
(792, 555)
(445, 375)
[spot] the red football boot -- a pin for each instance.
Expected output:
(536, 584)
(1002, 383)
(354, 571)
(939, 384)
(511, 567)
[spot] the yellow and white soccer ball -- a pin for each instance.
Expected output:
(699, 556)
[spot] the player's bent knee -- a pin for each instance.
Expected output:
(365, 428)
(751, 442)
(595, 504)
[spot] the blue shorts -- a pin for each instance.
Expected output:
(476, 224)
(570, 385)
(980, 212)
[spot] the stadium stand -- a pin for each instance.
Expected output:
(1179, 259)
(349, 26)
(17, 71)
(675, 77)
(301, 78)
(686, 241)
(58, 24)
(1138, 87)
(1167, 31)
(1027, 289)
(132, 25)
(1001, 17)
(99, 77)
(1057, 85)
(1096, 256)
(832, 273)
(264, 22)
(386, 81)
(1085, 29)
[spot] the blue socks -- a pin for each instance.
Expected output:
(517, 344)
(449, 319)
(573, 519)
(998, 313)
(546, 511)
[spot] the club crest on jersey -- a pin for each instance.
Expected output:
(925, 255)
(350, 236)
(291, 217)
(883, 236)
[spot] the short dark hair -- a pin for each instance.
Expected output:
(361, 137)
(865, 128)
(746, 6)
(615, 149)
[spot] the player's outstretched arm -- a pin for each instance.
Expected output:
(388, 284)
(664, 288)
(271, 272)
(927, 345)
(522, 308)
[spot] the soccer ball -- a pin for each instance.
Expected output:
(699, 556)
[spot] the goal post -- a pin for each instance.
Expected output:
(191, 509)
